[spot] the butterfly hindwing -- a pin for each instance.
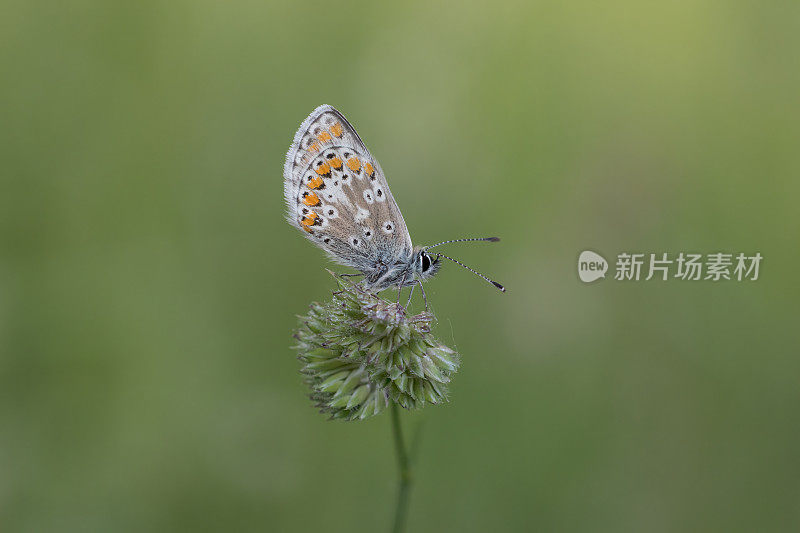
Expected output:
(337, 194)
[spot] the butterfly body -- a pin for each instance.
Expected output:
(336, 193)
(405, 271)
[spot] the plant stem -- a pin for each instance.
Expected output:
(405, 472)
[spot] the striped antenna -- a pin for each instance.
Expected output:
(503, 289)
(488, 239)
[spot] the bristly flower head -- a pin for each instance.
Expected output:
(360, 352)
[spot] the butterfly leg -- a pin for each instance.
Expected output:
(410, 294)
(400, 289)
(424, 296)
(350, 275)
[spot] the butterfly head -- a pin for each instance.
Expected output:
(433, 262)
(426, 265)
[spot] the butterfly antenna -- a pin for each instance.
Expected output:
(488, 239)
(503, 289)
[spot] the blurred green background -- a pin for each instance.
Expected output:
(149, 284)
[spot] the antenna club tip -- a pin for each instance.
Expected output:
(502, 289)
(493, 239)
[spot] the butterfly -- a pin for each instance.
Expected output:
(336, 193)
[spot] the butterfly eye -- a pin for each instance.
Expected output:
(426, 262)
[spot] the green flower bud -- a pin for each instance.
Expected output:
(360, 352)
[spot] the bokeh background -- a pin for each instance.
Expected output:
(149, 284)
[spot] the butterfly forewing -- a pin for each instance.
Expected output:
(337, 194)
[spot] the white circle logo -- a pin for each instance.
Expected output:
(591, 266)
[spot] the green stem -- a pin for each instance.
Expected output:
(405, 472)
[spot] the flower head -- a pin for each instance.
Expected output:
(360, 352)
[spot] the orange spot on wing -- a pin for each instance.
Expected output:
(309, 219)
(354, 164)
(307, 229)
(315, 183)
(369, 169)
(323, 169)
(336, 163)
(310, 198)
(336, 129)
(324, 137)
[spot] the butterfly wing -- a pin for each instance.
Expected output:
(337, 194)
